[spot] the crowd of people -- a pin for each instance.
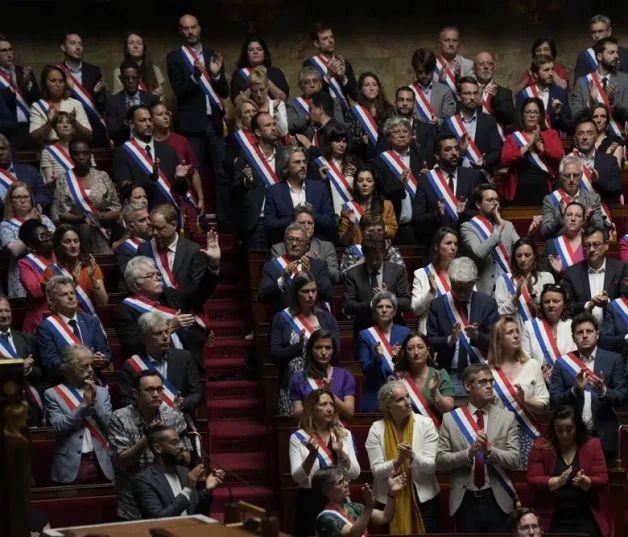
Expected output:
(518, 330)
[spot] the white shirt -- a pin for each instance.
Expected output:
(175, 485)
(587, 413)
(199, 54)
(172, 250)
(298, 197)
(67, 320)
(544, 96)
(161, 367)
(78, 73)
(88, 446)
(596, 283)
(406, 203)
(487, 480)
(531, 346)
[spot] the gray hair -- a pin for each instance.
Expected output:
(296, 227)
(386, 394)
(284, 159)
(596, 19)
(382, 295)
(149, 320)
(570, 160)
(472, 371)
(463, 270)
(325, 479)
(132, 271)
(129, 210)
(70, 355)
(393, 122)
(51, 286)
(308, 70)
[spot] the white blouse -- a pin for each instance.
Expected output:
(531, 381)
(421, 297)
(531, 347)
(503, 296)
(38, 118)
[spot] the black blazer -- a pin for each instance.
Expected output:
(191, 114)
(503, 106)
(125, 168)
(423, 135)
(154, 498)
(115, 114)
(358, 296)
(350, 89)
(275, 75)
(577, 282)
(182, 373)
(30, 96)
(583, 67)
(25, 345)
(609, 184)
(8, 124)
(91, 75)
(613, 331)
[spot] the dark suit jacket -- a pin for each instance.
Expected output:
(269, 290)
(25, 345)
(560, 122)
(115, 114)
(275, 75)
(604, 417)
(426, 215)
(322, 131)
(503, 106)
(154, 498)
(123, 254)
(91, 75)
(350, 89)
(279, 209)
(609, 185)
(577, 282)
(191, 104)
(359, 293)
(613, 331)
(423, 136)
(30, 175)
(8, 124)
(483, 312)
(182, 373)
(583, 67)
(125, 168)
(30, 96)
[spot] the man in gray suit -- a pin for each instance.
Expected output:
(79, 413)
(167, 488)
(440, 97)
(570, 173)
(477, 496)
(320, 249)
(482, 235)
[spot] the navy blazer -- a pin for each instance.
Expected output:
(30, 175)
(115, 114)
(604, 417)
(191, 115)
(576, 281)
(503, 106)
(609, 185)
(423, 136)
(274, 74)
(483, 312)
(375, 373)
(350, 89)
(8, 124)
(613, 331)
(279, 209)
(31, 95)
(562, 121)
(583, 65)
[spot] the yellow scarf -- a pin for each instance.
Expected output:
(408, 519)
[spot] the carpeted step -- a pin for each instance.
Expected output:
(228, 366)
(238, 437)
(234, 410)
(252, 467)
(231, 389)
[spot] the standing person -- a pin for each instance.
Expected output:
(450, 65)
(259, 87)
(151, 80)
(197, 77)
(434, 100)
(606, 141)
(496, 100)
(566, 250)
(544, 46)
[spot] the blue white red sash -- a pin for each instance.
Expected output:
(442, 284)
(44, 106)
(396, 166)
(303, 103)
(39, 263)
(441, 187)
(486, 229)
(63, 334)
(357, 251)
(545, 339)
(532, 91)
(81, 294)
(469, 428)
(525, 307)
(16, 222)
(281, 263)
(144, 305)
(357, 210)
(573, 365)
(82, 201)
(143, 86)
(521, 139)
(559, 195)
(83, 96)
(456, 125)
(419, 402)
(422, 105)
(620, 305)
(7, 351)
(328, 511)
(367, 122)
(311, 384)
(565, 252)
(244, 73)
(142, 363)
(190, 56)
(61, 156)
(586, 183)
(298, 324)
(456, 315)
(133, 244)
(450, 79)
(20, 100)
(325, 456)
(508, 395)
(73, 399)
(167, 278)
(6, 178)
(374, 336)
(591, 58)
(487, 108)
(320, 62)
(592, 79)
(256, 158)
(340, 184)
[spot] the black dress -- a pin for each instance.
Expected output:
(572, 513)
(606, 143)
(532, 185)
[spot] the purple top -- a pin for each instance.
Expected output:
(342, 384)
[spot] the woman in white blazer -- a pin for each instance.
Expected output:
(320, 442)
(418, 458)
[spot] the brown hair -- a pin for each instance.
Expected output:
(8, 204)
(307, 422)
(167, 211)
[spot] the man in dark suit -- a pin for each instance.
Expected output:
(437, 95)
(496, 100)
(364, 281)
(586, 62)
(554, 97)
(454, 354)
(615, 329)
(594, 282)
(137, 223)
(126, 167)
(167, 488)
(322, 110)
(595, 396)
(118, 104)
(19, 89)
(199, 114)
(295, 190)
(175, 365)
(85, 76)
(431, 211)
(275, 282)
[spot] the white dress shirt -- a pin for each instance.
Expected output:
(544, 96)
(297, 196)
(175, 485)
(587, 413)
(78, 73)
(487, 479)
(406, 203)
(471, 126)
(171, 250)
(454, 179)
(596, 283)
(88, 446)
(150, 144)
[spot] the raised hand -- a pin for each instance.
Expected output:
(183, 170)
(100, 86)
(598, 383)
(323, 172)
(287, 272)
(580, 380)
(520, 395)
(464, 142)
(441, 207)
(215, 64)
(556, 264)
(395, 350)
(432, 281)
(212, 249)
(535, 225)
(367, 495)
(455, 333)
(611, 89)
(611, 148)
(91, 267)
(593, 93)
(462, 206)
(472, 331)
(214, 479)
(28, 364)
(247, 171)
(557, 106)
(405, 174)
(180, 320)
(311, 444)
(305, 262)
(350, 169)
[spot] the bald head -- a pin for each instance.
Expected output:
(483, 67)
(190, 30)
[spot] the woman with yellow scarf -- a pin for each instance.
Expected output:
(405, 442)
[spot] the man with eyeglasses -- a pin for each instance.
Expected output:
(496, 100)
(570, 173)
(129, 429)
(524, 522)
(594, 282)
(118, 104)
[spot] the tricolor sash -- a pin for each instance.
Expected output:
(521, 139)
(81, 294)
(7, 351)
(20, 100)
(328, 511)
(39, 263)
(487, 108)
(374, 336)
(573, 365)
(559, 195)
(419, 402)
(456, 126)
(144, 305)
(143, 86)
(357, 210)
(298, 324)
(591, 58)
(442, 284)
(311, 384)
(565, 252)
(189, 57)
(83, 96)
(320, 62)
(366, 120)
(508, 395)
(456, 315)
(256, 158)
(592, 79)
(244, 73)
(441, 187)
(303, 104)
(133, 244)
(63, 334)
(325, 457)
(44, 106)
(422, 105)
(486, 229)
(524, 304)
(142, 363)
(620, 305)
(16, 222)
(61, 156)
(586, 183)
(7, 178)
(339, 183)
(396, 166)
(281, 263)
(532, 92)
(357, 251)
(167, 278)
(450, 78)
(545, 339)
(82, 201)
(469, 428)
(73, 399)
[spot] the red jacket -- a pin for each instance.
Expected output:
(511, 157)
(542, 465)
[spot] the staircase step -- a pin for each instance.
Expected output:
(229, 324)
(228, 347)
(237, 437)
(231, 389)
(226, 410)
(231, 290)
(229, 329)
(251, 467)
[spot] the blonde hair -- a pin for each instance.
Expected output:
(495, 348)
(307, 421)
(258, 76)
(8, 202)
(239, 106)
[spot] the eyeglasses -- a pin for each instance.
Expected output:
(20, 198)
(486, 382)
(153, 389)
(151, 276)
(130, 78)
(553, 287)
(594, 245)
(295, 240)
(531, 113)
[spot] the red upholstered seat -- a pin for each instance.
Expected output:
(41, 458)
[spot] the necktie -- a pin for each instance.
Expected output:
(149, 152)
(479, 479)
(75, 329)
(6, 336)
(163, 255)
(374, 283)
(604, 84)
(451, 182)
